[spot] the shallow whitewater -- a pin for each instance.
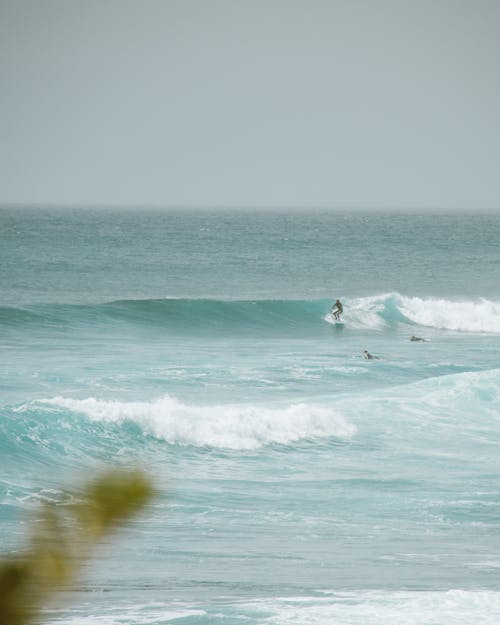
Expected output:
(453, 607)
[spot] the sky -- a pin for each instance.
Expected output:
(254, 103)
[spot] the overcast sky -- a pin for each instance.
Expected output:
(343, 103)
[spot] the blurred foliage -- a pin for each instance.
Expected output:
(62, 539)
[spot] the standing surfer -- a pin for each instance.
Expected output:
(337, 310)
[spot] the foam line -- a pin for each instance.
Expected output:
(226, 426)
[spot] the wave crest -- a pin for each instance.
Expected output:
(225, 426)
(193, 316)
(470, 316)
(379, 311)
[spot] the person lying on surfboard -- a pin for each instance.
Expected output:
(337, 310)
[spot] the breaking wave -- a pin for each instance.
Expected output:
(225, 426)
(380, 311)
(192, 315)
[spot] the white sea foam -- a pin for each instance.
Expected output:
(471, 316)
(452, 607)
(378, 311)
(364, 312)
(228, 426)
(137, 614)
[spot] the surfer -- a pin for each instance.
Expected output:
(337, 310)
(416, 338)
(369, 356)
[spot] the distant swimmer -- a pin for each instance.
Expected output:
(416, 338)
(337, 310)
(368, 356)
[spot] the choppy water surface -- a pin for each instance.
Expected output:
(298, 482)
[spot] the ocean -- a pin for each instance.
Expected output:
(297, 482)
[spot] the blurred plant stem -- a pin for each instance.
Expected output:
(63, 539)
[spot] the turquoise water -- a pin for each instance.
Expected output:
(298, 482)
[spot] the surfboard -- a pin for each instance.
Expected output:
(333, 321)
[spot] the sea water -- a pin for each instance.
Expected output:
(297, 483)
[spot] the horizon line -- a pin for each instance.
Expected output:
(242, 207)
